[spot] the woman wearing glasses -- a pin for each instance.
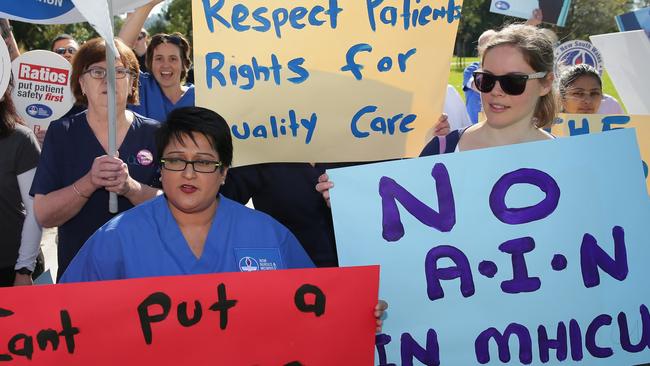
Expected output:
(581, 90)
(74, 174)
(192, 229)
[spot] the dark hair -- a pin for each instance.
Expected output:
(573, 73)
(538, 53)
(9, 118)
(61, 37)
(186, 121)
(175, 39)
(94, 51)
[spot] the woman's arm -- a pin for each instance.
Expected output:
(57, 207)
(138, 192)
(30, 238)
(8, 36)
(134, 22)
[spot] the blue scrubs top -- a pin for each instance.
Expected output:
(69, 150)
(472, 98)
(153, 102)
(146, 242)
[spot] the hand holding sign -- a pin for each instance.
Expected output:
(297, 317)
(506, 244)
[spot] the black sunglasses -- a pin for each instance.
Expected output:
(62, 50)
(160, 38)
(512, 84)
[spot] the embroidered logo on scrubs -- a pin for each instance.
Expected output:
(144, 157)
(248, 264)
(258, 259)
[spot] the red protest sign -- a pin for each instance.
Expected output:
(296, 317)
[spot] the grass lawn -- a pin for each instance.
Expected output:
(458, 65)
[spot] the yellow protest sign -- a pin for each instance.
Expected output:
(580, 124)
(324, 80)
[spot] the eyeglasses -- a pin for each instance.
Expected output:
(141, 35)
(583, 95)
(199, 166)
(100, 72)
(512, 84)
(62, 50)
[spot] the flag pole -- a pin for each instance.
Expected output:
(112, 122)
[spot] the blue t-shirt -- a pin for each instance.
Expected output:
(472, 98)
(69, 150)
(153, 102)
(147, 242)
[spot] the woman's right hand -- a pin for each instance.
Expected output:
(106, 172)
(323, 187)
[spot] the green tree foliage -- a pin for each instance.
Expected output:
(592, 17)
(39, 36)
(475, 19)
(176, 16)
(585, 18)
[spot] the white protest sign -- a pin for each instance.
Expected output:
(577, 52)
(626, 55)
(42, 87)
(5, 68)
(97, 14)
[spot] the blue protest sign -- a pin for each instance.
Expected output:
(36, 10)
(58, 11)
(514, 255)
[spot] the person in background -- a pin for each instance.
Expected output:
(140, 49)
(472, 96)
(168, 60)
(21, 234)
(75, 174)
(580, 89)
(65, 45)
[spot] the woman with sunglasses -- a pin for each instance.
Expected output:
(517, 94)
(163, 88)
(515, 81)
(75, 174)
